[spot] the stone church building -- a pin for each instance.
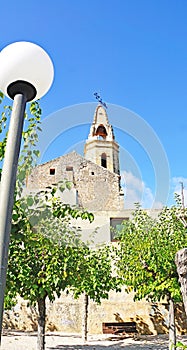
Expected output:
(95, 178)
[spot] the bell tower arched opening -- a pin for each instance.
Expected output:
(101, 131)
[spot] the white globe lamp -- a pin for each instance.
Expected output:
(25, 67)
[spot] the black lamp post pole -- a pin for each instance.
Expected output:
(8, 182)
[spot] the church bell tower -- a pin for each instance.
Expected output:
(101, 147)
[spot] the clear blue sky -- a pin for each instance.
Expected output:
(133, 52)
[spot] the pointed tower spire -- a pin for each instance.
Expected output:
(101, 147)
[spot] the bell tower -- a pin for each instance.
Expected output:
(101, 147)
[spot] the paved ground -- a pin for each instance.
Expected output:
(59, 341)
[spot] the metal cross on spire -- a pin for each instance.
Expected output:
(98, 97)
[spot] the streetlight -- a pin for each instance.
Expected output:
(26, 74)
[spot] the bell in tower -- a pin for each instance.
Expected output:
(101, 147)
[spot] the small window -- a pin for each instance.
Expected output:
(103, 160)
(52, 171)
(92, 172)
(69, 168)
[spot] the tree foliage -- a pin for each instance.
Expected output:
(147, 251)
(43, 247)
(41, 230)
(95, 278)
(95, 273)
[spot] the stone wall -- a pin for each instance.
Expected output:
(97, 188)
(65, 315)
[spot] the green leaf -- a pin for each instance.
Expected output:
(30, 201)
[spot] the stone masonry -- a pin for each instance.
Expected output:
(97, 188)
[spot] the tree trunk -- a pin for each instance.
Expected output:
(181, 263)
(172, 329)
(41, 324)
(85, 317)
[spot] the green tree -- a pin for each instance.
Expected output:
(146, 251)
(44, 249)
(95, 278)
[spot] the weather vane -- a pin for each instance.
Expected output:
(99, 99)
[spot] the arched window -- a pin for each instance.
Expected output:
(103, 160)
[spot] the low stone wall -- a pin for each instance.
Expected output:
(65, 315)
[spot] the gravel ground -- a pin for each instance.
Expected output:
(59, 341)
